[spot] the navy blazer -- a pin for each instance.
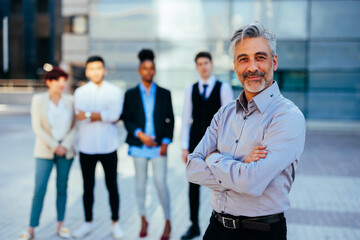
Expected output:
(133, 115)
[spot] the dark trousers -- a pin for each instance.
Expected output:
(88, 165)
(216, 231)
(194, 200)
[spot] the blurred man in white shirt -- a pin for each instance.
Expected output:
(98, 105)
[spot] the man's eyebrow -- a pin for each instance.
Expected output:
(241, 55)
(261, 53)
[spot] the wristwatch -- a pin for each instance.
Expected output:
(88, 114)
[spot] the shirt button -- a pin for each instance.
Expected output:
(245, 118)
(219, 181)
(237, 141)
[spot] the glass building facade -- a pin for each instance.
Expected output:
(318, 45)
(30, 35)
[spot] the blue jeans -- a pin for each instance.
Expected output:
(159, 165)
(43, 170)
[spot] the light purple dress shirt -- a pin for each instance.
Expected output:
(257, 188)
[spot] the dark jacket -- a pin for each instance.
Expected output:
(134, 115)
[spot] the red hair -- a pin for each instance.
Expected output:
(55, 74)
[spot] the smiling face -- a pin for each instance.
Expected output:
(254, 65)
(147, 71)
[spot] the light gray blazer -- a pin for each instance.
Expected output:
(45, 143)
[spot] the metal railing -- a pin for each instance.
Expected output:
(30, 83)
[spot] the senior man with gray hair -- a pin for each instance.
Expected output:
(250, 151)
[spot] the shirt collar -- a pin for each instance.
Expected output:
(48, 96)
(152, 88)
(96, 86)
(262, 100)
(210, 81)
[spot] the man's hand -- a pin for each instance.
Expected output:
(80, 115)
(184, 155)
(163, 149)
(255, 155)
(147, 140)
(216, 151)
(60, 151)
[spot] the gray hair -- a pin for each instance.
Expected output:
(252, 30)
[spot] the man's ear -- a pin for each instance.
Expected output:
(275, 63)
(235, 68)
(86, 74)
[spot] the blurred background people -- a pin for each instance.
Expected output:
(202, 100)
(53, 122)
(149, 120)
(98, 105)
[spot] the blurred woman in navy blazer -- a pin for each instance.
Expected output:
(149, 120)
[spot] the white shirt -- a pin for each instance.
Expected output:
(100, 137)
(226, 96)
(58, 117)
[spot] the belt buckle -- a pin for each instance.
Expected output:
(225, 220)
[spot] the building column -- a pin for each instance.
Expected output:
(4, 28)
(30, 54)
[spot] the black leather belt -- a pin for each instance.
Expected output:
(261, 223)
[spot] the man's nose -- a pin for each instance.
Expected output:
(253, 66)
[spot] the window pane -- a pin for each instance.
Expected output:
(294, 80)
(181, 55)
(177, 79)
(121, 54)
(42, 6)
(335, 81)
(334, 55)
(291, 55)
(115, 20)
(286, 18)
(333, 105)
(160, 19)
(335, 19)
(125, 78)
(193, 19)
(16, 6)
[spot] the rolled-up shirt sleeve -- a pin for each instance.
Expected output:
(284, 141)
(197, 171)
(112, 113)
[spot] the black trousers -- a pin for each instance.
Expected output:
(88, 165)
(194, 200)
(216, 231)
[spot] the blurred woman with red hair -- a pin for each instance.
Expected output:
(53, 122)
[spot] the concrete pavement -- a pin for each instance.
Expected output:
(325, 197)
